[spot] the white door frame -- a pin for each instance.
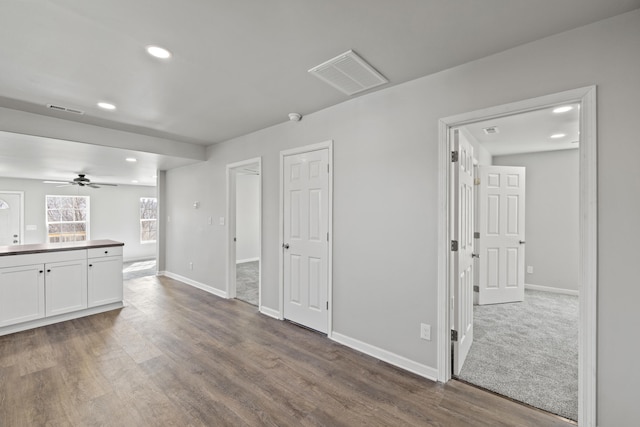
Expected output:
(231, 226)
(300, 150)
(21, 194)
(588, 235)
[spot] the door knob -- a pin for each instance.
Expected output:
(15, 235)
(522, 242)
(285, 245)
(475, 255)
(15, 241)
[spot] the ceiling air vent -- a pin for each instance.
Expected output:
(64, 109)
(491, 130)
(349, 73)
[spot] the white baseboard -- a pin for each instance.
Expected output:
(552, 290)
(242, 261)
(195, 284)
(270, 312)
(386, 356)
(138, 259)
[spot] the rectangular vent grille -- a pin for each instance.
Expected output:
(65, 109)
(349, 73)
(491, 130)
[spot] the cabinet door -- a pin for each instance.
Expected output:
(21, 294)
(105, 280)
(66, 286)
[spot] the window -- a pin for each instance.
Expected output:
(67, 218)
(148, 219)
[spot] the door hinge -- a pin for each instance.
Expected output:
(476, 234)
(327, 305)
(327, 236)
(454, 245)
(327, 167)
(454, 335)
(476, 288)
(454, 156)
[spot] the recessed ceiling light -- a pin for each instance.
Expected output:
(106, 106)
(135, 181)
(131, 159)
(563, 109)
(158, 52)
(558, 135)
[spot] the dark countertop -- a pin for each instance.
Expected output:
(56, 247)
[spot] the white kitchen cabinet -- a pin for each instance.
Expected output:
(21, 294)
(104, 276)
(66, 286)
(41, 284)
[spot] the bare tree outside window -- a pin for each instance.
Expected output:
(67, 218)
(148, 219)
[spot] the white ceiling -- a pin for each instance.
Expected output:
(529, 132)
(239, 66)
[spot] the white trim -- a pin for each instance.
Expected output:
(271, 312)
(140, 259)
(551, 290)
(242, 261)
(231, 227)
(22, 227)
(60, 318)
(299, 150)
(190, 282)
(386, 356)
(588, 235)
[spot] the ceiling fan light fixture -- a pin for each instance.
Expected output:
(131, 159)
(563, 109)
(558, 135)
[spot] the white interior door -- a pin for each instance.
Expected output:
(463, 228)
(10, 219)
(502, 237)
(305, 244)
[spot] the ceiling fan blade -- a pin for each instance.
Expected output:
(92, 185)
(56, 182)
(104, 183)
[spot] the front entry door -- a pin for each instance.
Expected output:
(501, 221)
(10, 219)
(462, 293)
(305, 244)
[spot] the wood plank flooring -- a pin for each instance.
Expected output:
(177, 356)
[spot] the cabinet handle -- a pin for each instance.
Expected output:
(41, 271)
(49, 271)
(106, 252)
(90, 265)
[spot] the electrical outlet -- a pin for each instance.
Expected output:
(190, 266)
(425, 331)
(529, 269)
(221, 222)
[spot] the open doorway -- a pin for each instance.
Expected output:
(526, 256)
(244, 249)
(453, 310)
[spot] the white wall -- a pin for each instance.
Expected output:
(114, 212)
(551, 216)
(247, 217)
(385, 198)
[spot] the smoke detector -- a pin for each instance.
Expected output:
(349, 73)
(491, 130)
(295, 117)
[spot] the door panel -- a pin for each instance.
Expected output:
(10, 219)
(463, 272)
(502, 225)
(306, 226)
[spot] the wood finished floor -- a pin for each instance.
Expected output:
(176, 356)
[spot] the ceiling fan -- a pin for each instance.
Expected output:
(81, 181)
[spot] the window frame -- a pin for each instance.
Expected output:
(142, 220)
(86, 221)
